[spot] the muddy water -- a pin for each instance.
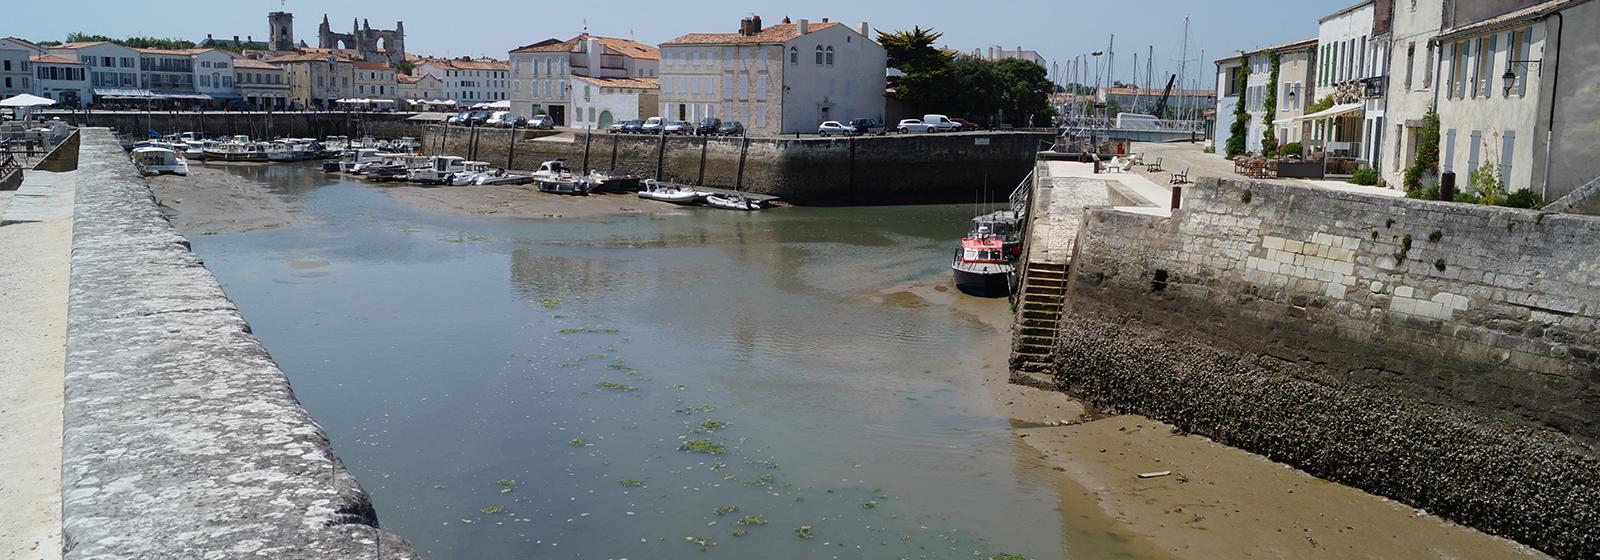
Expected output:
(693, 383)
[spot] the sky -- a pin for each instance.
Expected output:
(1058, 29)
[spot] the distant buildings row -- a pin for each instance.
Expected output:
(1492, 70)
(775, 79)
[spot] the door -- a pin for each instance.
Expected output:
(683, 112)
(558, 113)
(605, 119)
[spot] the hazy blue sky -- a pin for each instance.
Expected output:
(1058, 29)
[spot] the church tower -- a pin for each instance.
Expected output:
(280, 31)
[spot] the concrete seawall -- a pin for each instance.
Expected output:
(1444, 355)
(182, 438)
(258, 125)
(892, 169)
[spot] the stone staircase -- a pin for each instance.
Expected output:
(1038, 315)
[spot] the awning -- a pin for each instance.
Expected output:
(177, 94)
(1333, 111)
(116, 93)
(26, 100)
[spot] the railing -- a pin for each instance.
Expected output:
(1021, 208)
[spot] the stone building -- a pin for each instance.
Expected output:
(63, 79)
(262, 85)
(317, 80)
(419, 87)
(375, 80)
(280, 31)
(544, 74)
(16, 68)
(1353, 66)
(113, 69)
(372, 45)
(776, 80)
(599, 102)
(469, 81)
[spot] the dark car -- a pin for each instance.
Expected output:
(477, 118)
(966, 125)
(633, 127)
(707, 126)
(867, 126)
(731, 128)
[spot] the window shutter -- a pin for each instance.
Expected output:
(1449, 161)
(1527, 48)
(1472, 151)
(1508, 142)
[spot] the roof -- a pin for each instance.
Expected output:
(780, 33)
(459, 64)
(24, 42)
(1351, 8)
(173, 52)
(52, 59)
(253, 63)
(305, 57)
(80, 44)
(409, 79)
(1301, 45)
(609, 45)
(629, 83)
(1507, 19)
(1154, 92)
(372, 65)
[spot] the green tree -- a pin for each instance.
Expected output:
(405, 67)
(1241, 114)
(1427, 159)
(926, 71)
(1024, 88)
(1269, 138)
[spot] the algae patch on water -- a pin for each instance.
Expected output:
(630, 483)
(693, 410)
(724, 510)
(702, 446)
(615, 387)
(752, 520)
(588, 330)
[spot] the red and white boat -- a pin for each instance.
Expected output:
(983, 266)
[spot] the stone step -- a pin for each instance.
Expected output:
(1026, 340)
(1034, 374)
(1041, 322)
(1032, 352)
(1039, 331)
(1042, 299)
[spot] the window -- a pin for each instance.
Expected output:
(761, 115)
(794, 55)
(819, 55)
(761, 88)
(1411, 61)
(830, 56)
(1427, 68)
(8, 65)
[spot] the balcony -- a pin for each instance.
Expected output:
(1374, 86)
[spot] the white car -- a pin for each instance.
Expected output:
(913, 125)
(499, 119)
(652, 125)
(941, 123)
(832, 128)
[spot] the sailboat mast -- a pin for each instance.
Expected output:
(1149, 77)
(1183, 68)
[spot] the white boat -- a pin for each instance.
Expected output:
(397, 168)
(671, 192)
(238, 148)
(160, 161)
(293, 149)
(442, 171)
(734, 201)
(354, 161)
(474, 170)
(554, 177)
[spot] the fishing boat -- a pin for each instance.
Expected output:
(160, 161)
(353, 162)
(238, 148)
(293, 149)
(670, 192)
(554, 177)
(735, 201)
(441, 171)
(473, 171)
(396, 168)
(982, 267)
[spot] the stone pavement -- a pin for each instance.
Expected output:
(1175, 156)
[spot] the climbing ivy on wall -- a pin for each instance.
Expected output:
(1269, 138)
(1427, 160)
(1241, 113)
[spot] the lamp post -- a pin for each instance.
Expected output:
(1510, 77)
(1096, 95)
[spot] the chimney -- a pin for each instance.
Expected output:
(744, 27)
(824, 20)
(592, 56)
(864, 29)
(805, 26)
(755, 24)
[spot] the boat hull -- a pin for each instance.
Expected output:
(983, 279)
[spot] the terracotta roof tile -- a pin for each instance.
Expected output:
(174, 52)
(52, 59)
(371, 65)
(253, 63)
(780, 33)
(631, 83)
(613, 45)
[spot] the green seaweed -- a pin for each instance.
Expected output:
(701, 542)
(615, 387)
(576, 442)
(804, 532)
(491, 510)
(588, 330)
(751, 520)
(724, 510)
(630, 483)
(702, 446)
(693, 410)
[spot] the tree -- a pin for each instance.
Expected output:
(925, 69)
(1024, 88)
(405, 67)
(1241, 114)
(1427, 160)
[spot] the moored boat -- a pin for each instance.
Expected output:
(554, 177)
(735, 201)
(160, 161)
(440, 171)
(671, 192)
(982, 268)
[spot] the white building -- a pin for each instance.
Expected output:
(16, 75)
(1412, 62)
(1353, 63)
(543, 75)
(419, 87)
(776, 80)
(470, 81)
(599, 102)
(214, 74)
(60, 78)
(262, 85)
(376, 80)
(113, 69)
(997, 53)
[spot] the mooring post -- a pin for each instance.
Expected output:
(851, 169)
(588, 138)
(701, 179)
(661, 152)
(613, 153)
(1177, 196)
(744, 148)
(511, 150)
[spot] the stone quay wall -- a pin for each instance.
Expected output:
(892, 169)
(253, 124)
(182, 438)
(1441, 354)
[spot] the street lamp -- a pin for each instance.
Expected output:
(1510, 77)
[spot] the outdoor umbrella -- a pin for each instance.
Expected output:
(25, 100)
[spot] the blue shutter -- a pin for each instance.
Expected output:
(1449, 161)
(1472, 151)
(1527, 48)
(1508, 143)
(1494, 50)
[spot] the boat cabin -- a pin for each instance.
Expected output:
(983, 250)
(449, 164)
(477, 166)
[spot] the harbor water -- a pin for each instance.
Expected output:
(683, 384)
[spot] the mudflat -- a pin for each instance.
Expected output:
(213, 200)
(520, 201)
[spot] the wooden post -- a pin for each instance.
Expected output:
(744, 148)
(588, 138)
(512, 149)
(701, 179)
(661, 152)
(613, 153)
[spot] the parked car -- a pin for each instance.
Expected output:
(731, 128)
(966, 124)
(678, 127)
(618, 127)
(498, 118)
(459, 118)
(633, 127)
(908, 126)
(708, 126)
(834, 128)
(477, 118)
(652, 125)
(866, 126)
(940, 123)
(542, 122)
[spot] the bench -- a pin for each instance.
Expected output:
(1180, 177)
(1153, 166)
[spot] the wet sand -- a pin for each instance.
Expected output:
(519, 201)
(210, 200)
(1218, 501)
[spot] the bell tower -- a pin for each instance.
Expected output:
(280, 29)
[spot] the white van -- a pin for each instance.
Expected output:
(941, 123)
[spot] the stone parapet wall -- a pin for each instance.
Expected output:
(182, 438)
(1441, 354)
(253, 124)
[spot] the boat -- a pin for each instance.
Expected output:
(1006, 226)
(441, 170)
(982, 267)
(554, 177)
(160, 161)
(353, 162)
(293, 149)
(469, 176)
(238, 148)
(671, 192)
(613, 182)
(735, 201)
(396, 168)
